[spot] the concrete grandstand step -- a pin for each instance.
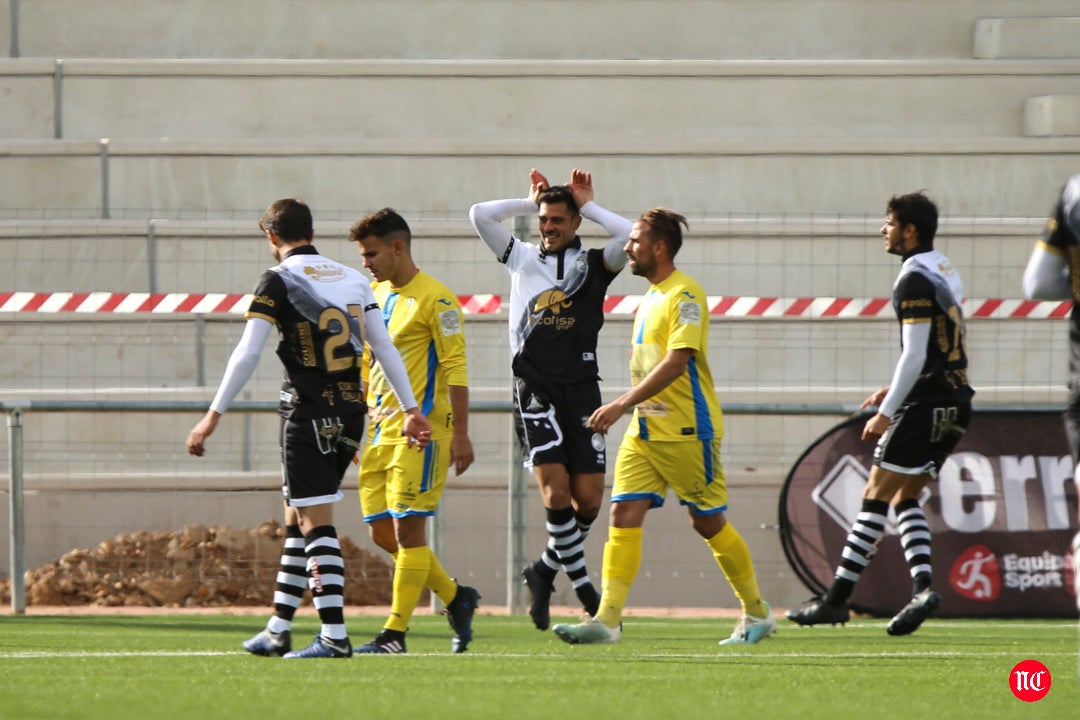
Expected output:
(640, 101)
(1049, 115)
(997, 177)
(1028, 37)
(465, 29)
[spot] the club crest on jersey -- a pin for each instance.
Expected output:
(324, 272)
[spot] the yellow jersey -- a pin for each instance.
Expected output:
(674, 315)
(425, 322)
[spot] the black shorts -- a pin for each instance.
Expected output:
(921, 436)
(315, 453)
(550, 423)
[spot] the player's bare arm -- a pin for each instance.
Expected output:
(666, 372)
(875, 427)
(196, 440)
(875, 398)
(461, 449)
(416, 428)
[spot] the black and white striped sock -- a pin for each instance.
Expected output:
(862, 542)
(326, 578)
(915, 539)
(562, 526)
(291, 580)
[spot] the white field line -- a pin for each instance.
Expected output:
(718, 655)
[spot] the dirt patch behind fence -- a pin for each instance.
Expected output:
(197, 567)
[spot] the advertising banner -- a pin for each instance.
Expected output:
(1000, 511)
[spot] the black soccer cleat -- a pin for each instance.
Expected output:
(459, 613)
(920, 607)
(540, 605)
(818, 612)
(388, 642)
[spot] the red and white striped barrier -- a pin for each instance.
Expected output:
(719, 305)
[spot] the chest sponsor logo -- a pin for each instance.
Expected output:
(548, 307)
(554, 301)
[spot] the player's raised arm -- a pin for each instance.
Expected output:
(488, 218)
(618, 227)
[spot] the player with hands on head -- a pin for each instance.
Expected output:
(557, 290)
(324, 311)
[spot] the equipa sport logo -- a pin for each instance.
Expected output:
(978, 574)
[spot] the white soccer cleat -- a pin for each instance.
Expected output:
(750, 629)
(588, 632)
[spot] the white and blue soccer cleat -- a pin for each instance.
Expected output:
(323, 648)
(588, 632)
(750, 629)
(269, 644)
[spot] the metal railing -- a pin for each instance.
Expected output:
(517, 485)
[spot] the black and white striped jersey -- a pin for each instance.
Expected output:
(928, 290)
(318, 306)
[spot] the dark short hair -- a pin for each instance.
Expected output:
(664, 223)
(918, 210)
(385, 224)
(289, 219)
(559, 194)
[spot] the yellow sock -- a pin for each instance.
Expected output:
(410, 573)
(622, 558)
(439, 582)
(733, 557)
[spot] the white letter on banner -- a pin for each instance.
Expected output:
(1056, 472)
(954, 488)
(1015, 473)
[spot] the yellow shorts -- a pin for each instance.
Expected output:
(692, 468)
(398, 481)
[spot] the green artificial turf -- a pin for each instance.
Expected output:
(192, 667)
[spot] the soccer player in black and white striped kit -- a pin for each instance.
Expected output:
(1053, 273)
(324, 312)
(557, 291)
(922, 414)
